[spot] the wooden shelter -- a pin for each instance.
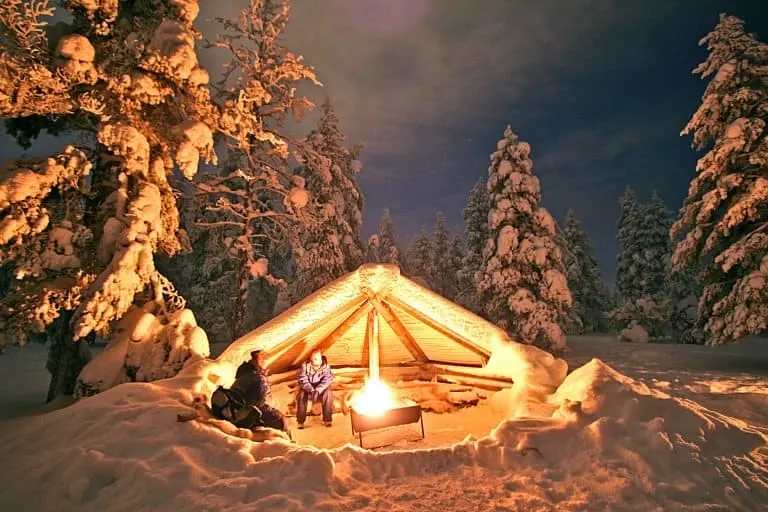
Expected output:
(371, 321)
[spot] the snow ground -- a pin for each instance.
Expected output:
(732, 379)
(694, 438)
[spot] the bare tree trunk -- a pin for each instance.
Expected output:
(241, 299)
(66, 358)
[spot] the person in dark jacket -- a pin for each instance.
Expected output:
(252, 384)
(315, 379)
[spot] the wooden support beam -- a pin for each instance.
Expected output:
(461, 340)
(342, 329)
(272, 354)
(374, 358)
(475, 382)
(399, 329)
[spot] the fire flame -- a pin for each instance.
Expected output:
(374, 399)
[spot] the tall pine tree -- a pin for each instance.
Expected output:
(330, 246)
(455, 261)
(644, 303)
(591, 301)
(420, 258)
(724, 221)
(382, 247)
(440, 267)
(521, 278)
(475, 215)
(629, 226)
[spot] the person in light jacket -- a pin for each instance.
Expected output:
(315, 380)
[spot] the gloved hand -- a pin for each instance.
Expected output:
(315, 396)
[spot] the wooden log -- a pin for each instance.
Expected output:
(469, 372)
(477, 382)
(482, 352)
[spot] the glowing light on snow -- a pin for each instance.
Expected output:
(375, 399)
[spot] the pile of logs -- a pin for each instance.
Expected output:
(435, 387)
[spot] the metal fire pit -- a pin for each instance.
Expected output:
(390, 418)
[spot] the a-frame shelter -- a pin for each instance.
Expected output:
(371, 318)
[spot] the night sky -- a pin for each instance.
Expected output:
(600, 89)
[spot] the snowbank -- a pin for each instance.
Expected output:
(609, 443)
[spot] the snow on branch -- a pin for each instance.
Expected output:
(128, 274)
(22, 29)
(33, 306)
(25, 185)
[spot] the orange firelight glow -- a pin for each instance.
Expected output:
(374, 399)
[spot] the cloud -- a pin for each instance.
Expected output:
(401, 71)
(601, 145)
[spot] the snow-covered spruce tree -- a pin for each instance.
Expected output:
(420, 258)
(330, 246)
(475, 215)
(382, 246)
(683, 292)
(440, 266)
(656, 247)
(521, 279)
(80, 228)
(455, 261)
(258, 197)
(724, 219)
(372, 249)
(628, 237)
(571, 322)
(591, 301)
(647, 309)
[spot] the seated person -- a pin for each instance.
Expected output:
(315, 379)
(245, 404)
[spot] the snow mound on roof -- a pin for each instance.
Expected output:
(610, 443)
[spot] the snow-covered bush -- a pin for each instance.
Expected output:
(145, 347)
(635, 333)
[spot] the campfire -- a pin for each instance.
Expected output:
(375, 408)
(375, 399)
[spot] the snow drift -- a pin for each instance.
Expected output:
(600, 441)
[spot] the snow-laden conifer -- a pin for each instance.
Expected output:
(723, 223)
(521, 279)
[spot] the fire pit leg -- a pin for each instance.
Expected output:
(421, 420)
